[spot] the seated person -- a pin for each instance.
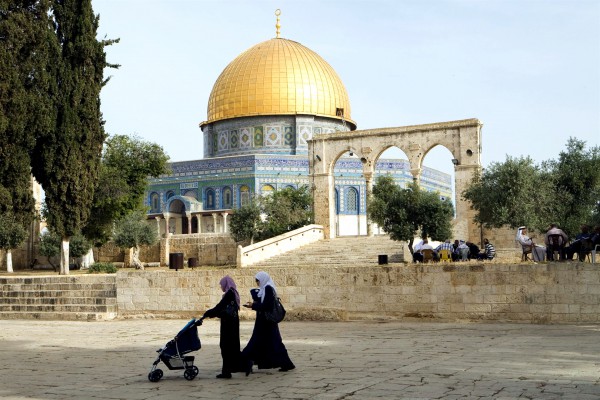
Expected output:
(537, 252)
(455, 252)
(575, 246)
(473, 250)
(463, 250)
(489, 253)
(556, 244)
(427, 246)
(444, 246)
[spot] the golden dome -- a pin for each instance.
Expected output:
(278, 77)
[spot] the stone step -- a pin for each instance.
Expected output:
(341, 251)
(59, 293)
(58, 308)
(71, 298)
(55, 286)
(59, 300)
(62, 316)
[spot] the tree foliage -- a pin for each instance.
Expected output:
(404, 213)
(518, 192)
(133, 231)
(24, 108)
(272, 215)
(286, 210)
(66, 156)
(245, 223)
(12, 234)
(509, 193)
(127, 162)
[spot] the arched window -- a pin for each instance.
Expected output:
(210, 199)
(352, 201)
(244, 196)
(154, 202)
(191, 193)
(170, 194)
(267, 190)
(227, 198)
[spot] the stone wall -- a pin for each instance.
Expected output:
(538, 293)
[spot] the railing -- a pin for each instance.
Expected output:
(266, 249)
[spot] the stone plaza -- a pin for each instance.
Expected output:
(335, 360)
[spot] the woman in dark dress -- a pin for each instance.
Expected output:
(230, 328)
(265, 348)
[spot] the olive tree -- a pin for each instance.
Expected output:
(133, 231)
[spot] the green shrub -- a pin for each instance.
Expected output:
(102, 268)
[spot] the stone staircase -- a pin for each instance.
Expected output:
(341, 251)
(55, 297)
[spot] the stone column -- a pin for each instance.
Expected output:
(158, 218)
(324, 202)
(369, 185)
(188, 216)
(225, 230)
(214, 215)
(464, 226)
(199, 220)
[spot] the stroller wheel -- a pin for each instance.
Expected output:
(155, 375)
(196, 370)
(190, 374)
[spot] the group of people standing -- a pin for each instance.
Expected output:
(557, 241)
(460, 250)
(265, 348)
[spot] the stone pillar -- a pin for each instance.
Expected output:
(167, 228)
(324, 202)
(199, 222)
(225, 230)
(464, 225)
(158, 218)
(188, 216)
(369, 185)
(214, 215)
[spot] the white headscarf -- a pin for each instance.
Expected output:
(264, 280)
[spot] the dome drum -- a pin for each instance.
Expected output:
(266, 134)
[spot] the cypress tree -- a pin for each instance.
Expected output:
(66, 158)
(25, 106)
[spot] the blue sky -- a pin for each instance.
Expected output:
(529, 70)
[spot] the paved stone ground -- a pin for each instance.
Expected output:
(335, 360)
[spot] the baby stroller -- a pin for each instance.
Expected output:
(173, 353)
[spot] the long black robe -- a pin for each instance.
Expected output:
(230, 334)
(266, 348)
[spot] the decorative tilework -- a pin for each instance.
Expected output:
(246, 138)
(273, 136)
(215, 143)
(288, 136)
(234, 139)
(258, 136)
(305, 134)
(318, 131)
(223, 140)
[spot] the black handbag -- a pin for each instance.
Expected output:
(277, 314)
(231, 310)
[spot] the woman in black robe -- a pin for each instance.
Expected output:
(227, 311)
(265, 348)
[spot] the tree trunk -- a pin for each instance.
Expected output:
(135, 258)
(410, 243)
(9, 267)
(64, 256)
(87, 259)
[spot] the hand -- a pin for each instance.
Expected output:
(248, 304)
